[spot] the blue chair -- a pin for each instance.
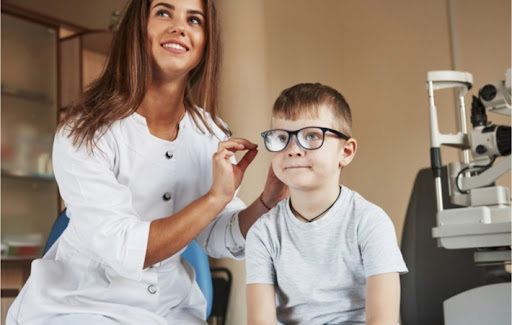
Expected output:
(194, 254)
(57, 229)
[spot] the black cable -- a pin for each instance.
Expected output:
(484, 167)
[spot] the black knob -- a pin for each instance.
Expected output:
(480, 149)
(488, 92)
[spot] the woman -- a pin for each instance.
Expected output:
(133, 161)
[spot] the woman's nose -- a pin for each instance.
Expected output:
(177, 26)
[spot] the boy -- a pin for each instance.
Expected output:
(324, 255)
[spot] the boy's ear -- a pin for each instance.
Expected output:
(348, 152)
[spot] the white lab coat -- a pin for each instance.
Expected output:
(94, 272)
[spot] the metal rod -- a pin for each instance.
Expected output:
(463, 123)
(439, 194)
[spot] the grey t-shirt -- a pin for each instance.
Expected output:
(319, 269)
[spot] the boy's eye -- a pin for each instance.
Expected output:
(312, 136)
(282, 138)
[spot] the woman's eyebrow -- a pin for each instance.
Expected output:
(164, 5)
(195, 12)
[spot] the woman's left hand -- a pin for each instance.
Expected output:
(274, 190)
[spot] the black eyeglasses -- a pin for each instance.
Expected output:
(309, 138)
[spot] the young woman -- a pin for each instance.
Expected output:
(144, 165)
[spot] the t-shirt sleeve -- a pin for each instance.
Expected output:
(258, 254)
(378, 244)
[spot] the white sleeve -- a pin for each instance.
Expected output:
(235, 242)
(100, 208)
(222, 237)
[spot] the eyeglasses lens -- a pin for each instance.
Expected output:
(276, 140)
(309, 138)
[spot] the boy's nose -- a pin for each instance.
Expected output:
(294, 149)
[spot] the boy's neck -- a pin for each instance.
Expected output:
(309, 204)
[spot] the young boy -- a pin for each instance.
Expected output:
(324, 255)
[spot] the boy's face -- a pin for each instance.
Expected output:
(303, 169)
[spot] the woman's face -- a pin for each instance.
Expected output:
(176, 36)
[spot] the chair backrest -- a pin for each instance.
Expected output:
(222, 280)
(194, 254)
(57, 229)
(435, 273)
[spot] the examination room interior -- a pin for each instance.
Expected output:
(376, 53)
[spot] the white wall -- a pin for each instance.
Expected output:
(245, 106)
(377, 54)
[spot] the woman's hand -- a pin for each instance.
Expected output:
(274, 190)
(227, 176)
(168, 235)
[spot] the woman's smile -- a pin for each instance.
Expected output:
(175, 46)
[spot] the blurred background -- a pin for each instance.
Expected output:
(376, 53)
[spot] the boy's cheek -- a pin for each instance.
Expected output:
(275, 167)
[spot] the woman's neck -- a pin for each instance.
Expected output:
(309, 204)
(163, 107)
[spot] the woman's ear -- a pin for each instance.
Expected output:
(348, 151)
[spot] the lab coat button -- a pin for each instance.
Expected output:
(169, 154)
(167, 196)
(152, 289)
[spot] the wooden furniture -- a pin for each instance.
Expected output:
(15, 272)
(82, 60)
(46, 64)
(29, 117)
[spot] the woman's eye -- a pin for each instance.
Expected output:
(162, 13)
(195, 20)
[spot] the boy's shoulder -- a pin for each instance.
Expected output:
(273, 218)
(362, 207)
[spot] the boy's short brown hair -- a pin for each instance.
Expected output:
(305, 99)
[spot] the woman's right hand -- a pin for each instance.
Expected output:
(227, 176)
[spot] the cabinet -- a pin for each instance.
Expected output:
(29, 117)
(28, 120)
(42, 73)
(82, 59)
(45, 66)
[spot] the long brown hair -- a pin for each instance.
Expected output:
(119, 91)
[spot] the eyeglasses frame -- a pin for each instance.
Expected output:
(296, 132)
